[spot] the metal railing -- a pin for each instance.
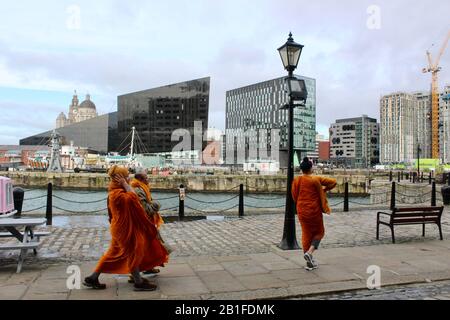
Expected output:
(244, 200)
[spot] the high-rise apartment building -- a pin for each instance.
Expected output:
(258, 107)
(354, 142)
(398, 126)
(406, 126)
(444, 105)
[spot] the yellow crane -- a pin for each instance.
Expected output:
(434, 69)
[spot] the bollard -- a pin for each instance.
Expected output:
(429, 178)
(181, 203)
(49, 210)
(433, 194)
(18, 195)
(346, 197)
(410, 177)
(393, 196)
(241, 200)
(398, 177)
(390, 175)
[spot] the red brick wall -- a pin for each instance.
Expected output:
(324, 150)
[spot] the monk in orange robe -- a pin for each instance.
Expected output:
(309, 194)
(142, 188)
(134, 244)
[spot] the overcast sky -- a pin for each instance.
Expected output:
(357, 50)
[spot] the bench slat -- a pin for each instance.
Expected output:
(418, 214)
(36, 234)
(422, 209)
(399, 221)
(30, 245)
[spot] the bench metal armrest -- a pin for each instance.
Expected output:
(383, 213)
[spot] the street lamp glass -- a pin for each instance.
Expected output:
(290, 53)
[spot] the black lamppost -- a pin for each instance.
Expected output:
(290, 54)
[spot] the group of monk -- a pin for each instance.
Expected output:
(137, 245)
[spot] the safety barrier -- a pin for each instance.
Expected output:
(244, 201)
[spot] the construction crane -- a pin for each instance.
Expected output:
(434, 68)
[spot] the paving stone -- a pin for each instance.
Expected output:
(220, 281)
(245, 267)
(261, 281)
(285, 265)
(180, 286)
(207, 267)
(12, 292)
(176, 270)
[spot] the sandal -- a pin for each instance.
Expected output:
(94, 284)
(145, 285)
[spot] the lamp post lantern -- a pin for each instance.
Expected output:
(290, 55)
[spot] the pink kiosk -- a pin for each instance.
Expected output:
(6, 198)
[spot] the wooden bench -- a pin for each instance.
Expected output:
(23, 247)
(409, 216)
(37, 235)
(27, 239)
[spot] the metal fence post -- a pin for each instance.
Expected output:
(429, 178)
(346, 197)
(403, 178)
(448, 179)
(433, 194)
(181, 203)
(398, 177)
(241, 200)
(393, 196)
(49, 209)
(421, 177)
(390, 175)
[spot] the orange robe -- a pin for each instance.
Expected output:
(134, 244)
(156, 217)
(311, 201)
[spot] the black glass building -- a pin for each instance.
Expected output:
(156, 113)
(99, 134)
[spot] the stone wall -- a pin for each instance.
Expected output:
(211, 183)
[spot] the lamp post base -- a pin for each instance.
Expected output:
(289, 245)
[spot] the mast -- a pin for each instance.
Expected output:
(132, 142)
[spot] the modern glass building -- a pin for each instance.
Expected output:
(258, 107)
(98, 134)
(156, 113)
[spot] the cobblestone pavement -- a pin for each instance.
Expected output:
(430, 291)
(253, 234)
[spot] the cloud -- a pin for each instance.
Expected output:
(128, 46)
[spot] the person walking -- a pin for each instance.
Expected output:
(309, 194)
(134, 245)
(142, 188)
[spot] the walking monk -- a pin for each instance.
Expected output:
(134, 245)
(308, 192)
(142, 188)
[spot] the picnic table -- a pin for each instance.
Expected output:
(27, 240)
